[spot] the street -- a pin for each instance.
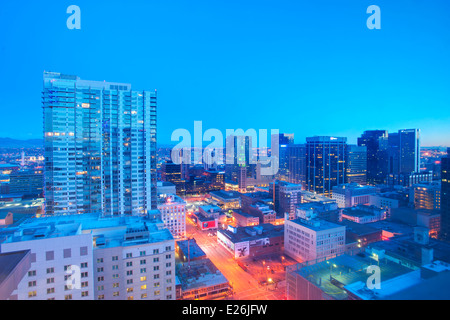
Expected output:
(246, 284)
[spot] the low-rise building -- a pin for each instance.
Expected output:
(243, 219)
(352, 194)
(254, 241)
(364, 214)
(313, 239)
(226, 199)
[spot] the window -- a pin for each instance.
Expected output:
(129, 272)
(116, 294)
(143, 270)
(155, 259)
(100, 260)
(67, 253)
(157, 292)
(155, 251)
(31, 294)
(84, 274)
(50, 270)
(68, 297)
(143, 261)
(129, 255)
(84, 293)
(32, 284)
(100, 269)
(142, 253)
(84, 265)
(84, 284)
(83, 251)
(143, 287)
(100, 288)
(99, 279)
(115, 258)
(115, 285)
(115, 267)
(50, 280)
(155, 268)
(101, 297)
(143, 278)
(50, 255)
(168, 248)
(129, 264)
(143, 296)
(32, 273)
(50, 290)
(129, 281)
(168, 264)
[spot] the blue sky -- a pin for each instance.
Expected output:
(303, 67)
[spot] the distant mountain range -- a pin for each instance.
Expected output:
(16, 143)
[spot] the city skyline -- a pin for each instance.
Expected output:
(395, 74)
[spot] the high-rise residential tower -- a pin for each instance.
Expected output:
(100, 147)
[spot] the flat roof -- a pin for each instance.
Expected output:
(268, 231)
(226, 195)
(112, 229)
(344, 271)
(192, 248)
(316, 224)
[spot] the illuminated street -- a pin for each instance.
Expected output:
(246, 284)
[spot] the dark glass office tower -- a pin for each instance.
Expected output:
(284, 141)
(376, 142)
(445, 197)
(297, 164)
(325, 163)
(356, 161)
(100, 147)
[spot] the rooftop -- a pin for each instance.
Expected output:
(267, 230)
(199, 274)
(316, 224)
(226, 195)
(344, 271)
(108, 231)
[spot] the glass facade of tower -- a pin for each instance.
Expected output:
(445, 198)
(356, 161)
(325, 163)
(100, 147)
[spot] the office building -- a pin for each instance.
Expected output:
(30, 182)
(376, 142)
(364, 214)
(325, 164)
(173, 214)
(352, 194)
(297, 163)
(285, 195)
(100, 147)
(285, 141)
(445, 197)
(356, 161)
(313, 239)
(427, 196)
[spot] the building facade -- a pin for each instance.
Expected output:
(100, 147)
